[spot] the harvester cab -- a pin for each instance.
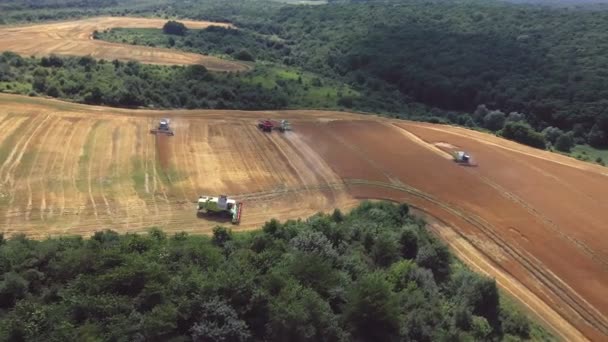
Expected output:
(221, 205)
(163, 128)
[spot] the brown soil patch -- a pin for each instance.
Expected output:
(533, 220)
(74, 38)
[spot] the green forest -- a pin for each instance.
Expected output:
(131, 84)
(375, 274)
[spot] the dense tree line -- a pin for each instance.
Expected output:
(375, 274)
(131, 84)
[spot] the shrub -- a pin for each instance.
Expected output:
(564, 143)
(552, 133)
(244, 55)
(494, 120)
(523, 133)
(175, 28)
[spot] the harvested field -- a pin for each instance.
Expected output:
(532, 219)
(74, 38)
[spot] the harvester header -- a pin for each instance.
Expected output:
(163, 128)
(270, 125)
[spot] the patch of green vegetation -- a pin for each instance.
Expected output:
(305, 89)
(590, 154)
(15, 87)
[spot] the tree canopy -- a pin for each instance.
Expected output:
(174, 27)
(319, 279)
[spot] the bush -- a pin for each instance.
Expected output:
(523, 133)
(244, 55)
(494, 120)
(552, 133)
(597, 137)
(564, 143)
(175, 28)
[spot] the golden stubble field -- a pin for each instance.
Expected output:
(532, 219)
(74, 38)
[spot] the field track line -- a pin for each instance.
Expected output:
(188, 157)
(150, 182)
(28, 179)
(547, 222)
(262, 155)
(17, 160)
(16, 147)
(52, 167)
(67, 146)
(92, 131)
(101, 176)
(286, 158)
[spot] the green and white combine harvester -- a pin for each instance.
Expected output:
(221, 205)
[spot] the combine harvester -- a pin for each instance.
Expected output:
(163, 128)
(221, 205)
(269, 125)
(464, 159)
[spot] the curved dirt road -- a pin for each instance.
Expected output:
(534, 220)
(74, 38)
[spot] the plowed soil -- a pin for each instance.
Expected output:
(74, 38)
(533, 220)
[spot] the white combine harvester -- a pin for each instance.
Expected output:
(163, 128)
(221, 205)
(464, 158)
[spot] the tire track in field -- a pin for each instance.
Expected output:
(253, 146)
(28, 179)
(267, 151)
(188, 159)
(52, 167)
(546, 221)
(285, 158)
(62, 171)
(104, 170)
(70, 168)
(30, 131)
(12, 161)
(92, 147)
